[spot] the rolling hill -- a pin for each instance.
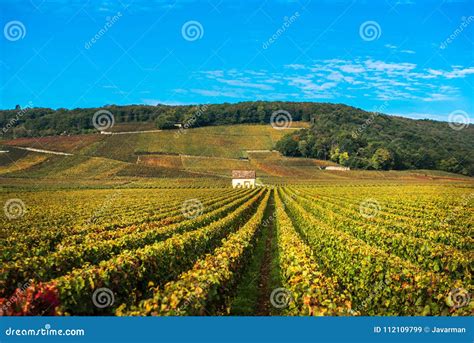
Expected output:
(205, 153)
(340, 133)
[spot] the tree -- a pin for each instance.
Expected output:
(334, 154)
(303, 148)
(451, 165)
(344, 158)
(288, 146)
(164, 122)
(382, 159)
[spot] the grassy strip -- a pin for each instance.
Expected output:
(246, 299)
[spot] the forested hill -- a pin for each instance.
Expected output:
(45, 121)
(360, 139)
(344, 134)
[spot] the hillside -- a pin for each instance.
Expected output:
(340, 133)
(364, 140)
(206, 152)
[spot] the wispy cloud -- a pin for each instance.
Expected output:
(457, 72)
(340, 78)
(245, 84)
(219, 93)
(395, 48)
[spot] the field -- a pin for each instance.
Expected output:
(205, 152)
(390, 248)
(208, 151)
(147, 224)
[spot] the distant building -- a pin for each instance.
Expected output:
(337, 168)
(243, 178)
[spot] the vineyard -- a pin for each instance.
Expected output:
(343, 249)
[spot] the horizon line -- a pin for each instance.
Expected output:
(412, 115)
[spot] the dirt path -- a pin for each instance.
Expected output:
(264, 284)
(44, 151)
(127, 132)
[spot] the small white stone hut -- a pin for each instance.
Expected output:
(243, 178)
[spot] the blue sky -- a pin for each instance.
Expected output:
(407, 57)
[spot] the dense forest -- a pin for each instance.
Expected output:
(344, 134)
(359, 139)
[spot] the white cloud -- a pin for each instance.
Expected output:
(438, 97)
(396, 49)
(457, 72)
(272, 81)
(352, 68)
(383, 80)
(295, 66)
(338, 76)
(214, 73)
(218, 93)
(241, 83)
(389, 67)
